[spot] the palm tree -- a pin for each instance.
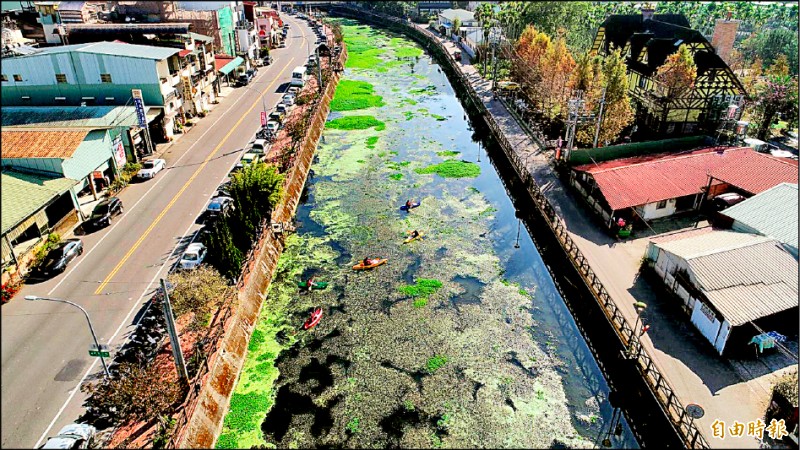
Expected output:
(484, 14)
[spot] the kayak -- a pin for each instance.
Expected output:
(317, 285)
(412, 239)
(407, 208)
(375, 263)
(316, 316)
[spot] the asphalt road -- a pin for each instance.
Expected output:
(45, 344)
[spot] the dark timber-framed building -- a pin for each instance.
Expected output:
(646, 41)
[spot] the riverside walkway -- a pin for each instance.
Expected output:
(728, 390)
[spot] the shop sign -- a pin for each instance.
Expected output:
(188, 97)
(119, 151)
(138, 103)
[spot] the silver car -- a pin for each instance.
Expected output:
(74, 435)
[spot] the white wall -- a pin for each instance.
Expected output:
(649, 211)
(707, 327)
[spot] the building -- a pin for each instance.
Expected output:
(771, 213)
(54, 15)
(646, 41)
(121, 119)
(432, 8)
(648, 187)
(728, 282)
(215, 19)
(447, 18)
(98, 74)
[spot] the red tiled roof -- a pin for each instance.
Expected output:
(640, 180)
(220, 62)
(756, 172)
(40, 144)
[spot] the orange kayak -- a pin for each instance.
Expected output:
(375, 263)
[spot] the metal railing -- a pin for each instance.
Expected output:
(674, 409)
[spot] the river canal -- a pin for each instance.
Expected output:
(460, 339)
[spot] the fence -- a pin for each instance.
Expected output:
(675, 411)
(232, 325)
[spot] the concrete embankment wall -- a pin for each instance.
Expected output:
(200, 423)
(651, 408)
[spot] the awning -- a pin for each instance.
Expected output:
(231, 65)
(153, 112)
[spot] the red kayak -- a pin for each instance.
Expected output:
(316, 316)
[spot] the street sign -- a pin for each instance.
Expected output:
(138, 102)
(263, 118)
(102, 351)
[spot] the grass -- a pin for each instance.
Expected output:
(447, 153)
(356, 123)
(353, 94)
(452, 169)
(435, 363)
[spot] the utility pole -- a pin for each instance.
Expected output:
(180, 365)
(575, 105)
(599, 118)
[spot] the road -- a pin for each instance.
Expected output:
(45, 344)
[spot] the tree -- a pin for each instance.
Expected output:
(777, 94)
(588, 77)
(297, 130)
(255, 191)
(223, 253)
(485, 16)
(678, 73)
(770, 45)
(617, 113)
(456, 25)
(198, 292)
(134, 393)
(557, 65)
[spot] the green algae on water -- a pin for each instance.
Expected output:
(353, 94)
(371, 141)
(396, 176)
(447, 153)
(356, 123)
(435, 363)
(452, 169)
(423, 288)
(438, 117)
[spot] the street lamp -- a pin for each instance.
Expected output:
(91, 328)
(640, 307)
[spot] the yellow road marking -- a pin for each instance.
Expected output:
(186, 185)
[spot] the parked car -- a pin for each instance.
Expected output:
(74, 435)
(288, 99)
(312, 60)
(723, 201)
(104, 211)
(277, 116)
(193, 256)
(259, 146)
(219, 205)
(252, 72)
(282, 44)
(244, 79)
(294, 90)
(150, 168)
(56, 261)
(267, 60)
(248, 158)
(282, 108)
(273, 126)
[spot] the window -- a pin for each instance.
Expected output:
(17, 77)
(105, 77)
(642, 81)
(661, 205)
(61, 78)
(109, 99)
(5, 77)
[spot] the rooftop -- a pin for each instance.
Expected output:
(23, 194)
(40, 143)
(111, 48)
(772, 213)
(68, 116)
(461, 14)
(756, 172)
(744, 276)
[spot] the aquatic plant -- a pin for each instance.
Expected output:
(448, 153)
(371, 141)
(352, 425)
(409, 115)
(353, 94)
(438, 117)
(356, 123)
(452, 169)
(396, 176)
(423, 288)
(435, 363)
(427, 90)
(408, 405)
(421, 302)
(394, 165)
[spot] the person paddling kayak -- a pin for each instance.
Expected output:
(310, 284)
(408, 204)
(415, 234)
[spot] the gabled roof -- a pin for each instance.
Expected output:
(68, 116)
(639, 180)
(756, 172)
(40, 144)
(772, 213)
(111, 48)
(23, 194)
(462, 14)
(744, 276)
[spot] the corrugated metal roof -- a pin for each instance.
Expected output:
(200, 37)
(640, 180)
(743, 275)
(23, 194)
(68, 116)
(756, 172)
(114, 49)
(772, 213)
(17, 143)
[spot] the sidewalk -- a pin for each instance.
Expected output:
(728, 390)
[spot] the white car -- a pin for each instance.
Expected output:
(74, 435)
(293, 90)
(288, 99)
(273, 126)
(259, 146)
(150, 168)
(194, 255)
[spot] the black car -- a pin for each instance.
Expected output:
(245, 78)
(56, 261)
(219, 206)
(267, 60)
(104, 211)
